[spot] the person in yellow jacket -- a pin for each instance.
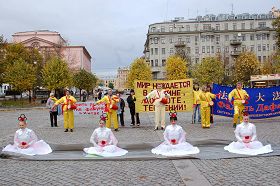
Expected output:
(240, 96)
(111, 108)
(196, 103)
(68, 104)
(205, 103)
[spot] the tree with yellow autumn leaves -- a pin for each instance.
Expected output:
(210, 70)
(176, 68)
(246, 65)
(138, 70)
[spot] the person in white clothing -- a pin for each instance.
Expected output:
(161, 98)
(25, 141)
(104, 142)
(247, 142)
(174, 141)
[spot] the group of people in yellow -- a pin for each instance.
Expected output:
(203, 102)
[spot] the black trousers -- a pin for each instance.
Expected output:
(121, 118)
(133, 115)
(53, 118)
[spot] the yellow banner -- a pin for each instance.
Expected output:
(180, 91)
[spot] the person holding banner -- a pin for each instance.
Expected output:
(205, 102)
(240, 97)
(68, 105)
(104, 142)
(161, 98)
(111, 109)
(174, 141)
(247, 142)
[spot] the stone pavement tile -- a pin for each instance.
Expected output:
(88, 173)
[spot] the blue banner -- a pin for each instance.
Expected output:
(263, 102)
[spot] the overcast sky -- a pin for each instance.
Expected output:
(113, 31)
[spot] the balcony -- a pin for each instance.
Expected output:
(235, 42)
(180, 44)
(235, 53)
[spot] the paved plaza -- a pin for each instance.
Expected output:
(237, 171)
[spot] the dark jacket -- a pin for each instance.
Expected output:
(131, 102)
(122, 104)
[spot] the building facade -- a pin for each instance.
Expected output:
(106, 80)
(77, 57)
(226, 35)
(121, 81)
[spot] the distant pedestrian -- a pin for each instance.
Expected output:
(196, 103)
(99, 94)
(53, 111)
(131, 104)
(121, 106)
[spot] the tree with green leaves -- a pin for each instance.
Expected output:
(210, 70)
(138, 70)
(84, 80)
(3, 45)
(111, 85)
(56, 74)
(246, 65)
(176, 68)
(21, 75)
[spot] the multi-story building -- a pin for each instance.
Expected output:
(226, 35)
(47, 42)
(122, 78)
(106, 80)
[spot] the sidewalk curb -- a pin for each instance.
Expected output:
(15, 109)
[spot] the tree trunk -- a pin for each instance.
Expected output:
(29, 96)
(80, 94)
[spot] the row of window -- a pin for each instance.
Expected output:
(211, 49)
(155, 63)
(214, 38)
(207, 27)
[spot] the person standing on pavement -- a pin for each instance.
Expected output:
(240, 96)
(121, 105)
(196, 103)
(99, 94)
(131, 104)
(161, 99)
(68, 105)
(53, 112)
(206, 101)
(111, 109)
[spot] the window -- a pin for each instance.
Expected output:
(152, 63)
(197, 50)
(163, 51)
(252, 37)
(171, 51)
(180, 28)
(162, 29)
(226, 37)
(156, 62)
(243, 37)
(206, 26)
(203, 38)
(163, 62)
(274, 46)
(196, 38)
(171, 40)
(243, 26)
(207, 38)
(260, 58)
(243, 48)
(188, 27)
(267, 47)
(153, 29)
(156, 51)
(264, 36)
(208, 49)
(179, 40)
(226, 49)
(162, 40)
(188, 40)
(259, 36)
(152, 51)
(203, 49)
(259, 48)
(262, 24)
(218, 49)
(212, 49)
(156, 40)
(196, 60)
(234, 26)
(264, 48)
(264, 58)
(252, 48)
(226, 26)
(251, 25)
(170, 28)
(151, 40)
(217, 26)
(218, 39)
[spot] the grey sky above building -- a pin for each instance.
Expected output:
(113, 31)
